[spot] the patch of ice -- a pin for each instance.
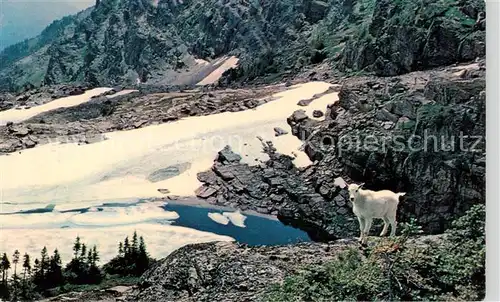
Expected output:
(236, 218)
(120, 216)
(219, 218)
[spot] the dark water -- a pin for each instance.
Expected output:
(258, 231)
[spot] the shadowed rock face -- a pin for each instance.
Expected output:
(412, 35)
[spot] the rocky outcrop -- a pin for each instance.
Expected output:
(6, 101)
(38, 96)
(276, 187)
(421, 133)
(224, 271)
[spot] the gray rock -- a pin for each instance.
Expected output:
(278, 187)
(20, 130)
(226, 271)
(227, 155)
(139, 124)
(385, 115)
(207, 177)
(318, 113)
(304, 103)
(279, 131)
(298, 116)
(205, 192)
(388, 125)
(339, 200)
(223, 171)
(27, 142)
(342, 211)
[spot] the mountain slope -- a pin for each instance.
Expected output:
(125, 41)
(20, 20)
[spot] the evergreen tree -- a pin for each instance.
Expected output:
(142, 246)
(26, 266)
(120, 249)
(135, 243)
(95, 274)
(142, 257)
(126, 247)
(83, 252)
(38, 275)
(41, 270)
(27, 288)
(5, 265)
(15, 284)
(95, 256)
(89, 258)
(54, 275)
(44, 262)
(76, 247)
(132, 259)
(37, 271)
(83, 268)
(15, 260)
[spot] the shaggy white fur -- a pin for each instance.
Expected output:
(369, 204)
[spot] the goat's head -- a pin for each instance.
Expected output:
(354, 191)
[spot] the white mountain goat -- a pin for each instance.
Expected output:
(367, 204)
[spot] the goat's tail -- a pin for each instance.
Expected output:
(400, 195)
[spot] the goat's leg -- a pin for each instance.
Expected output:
(393, 226)
(361, 221)
(387, 221)
(368, 226)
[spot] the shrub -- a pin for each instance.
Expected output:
(450, 267)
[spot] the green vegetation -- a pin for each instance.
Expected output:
(132, 259)
(448, 269)
(47, 277)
